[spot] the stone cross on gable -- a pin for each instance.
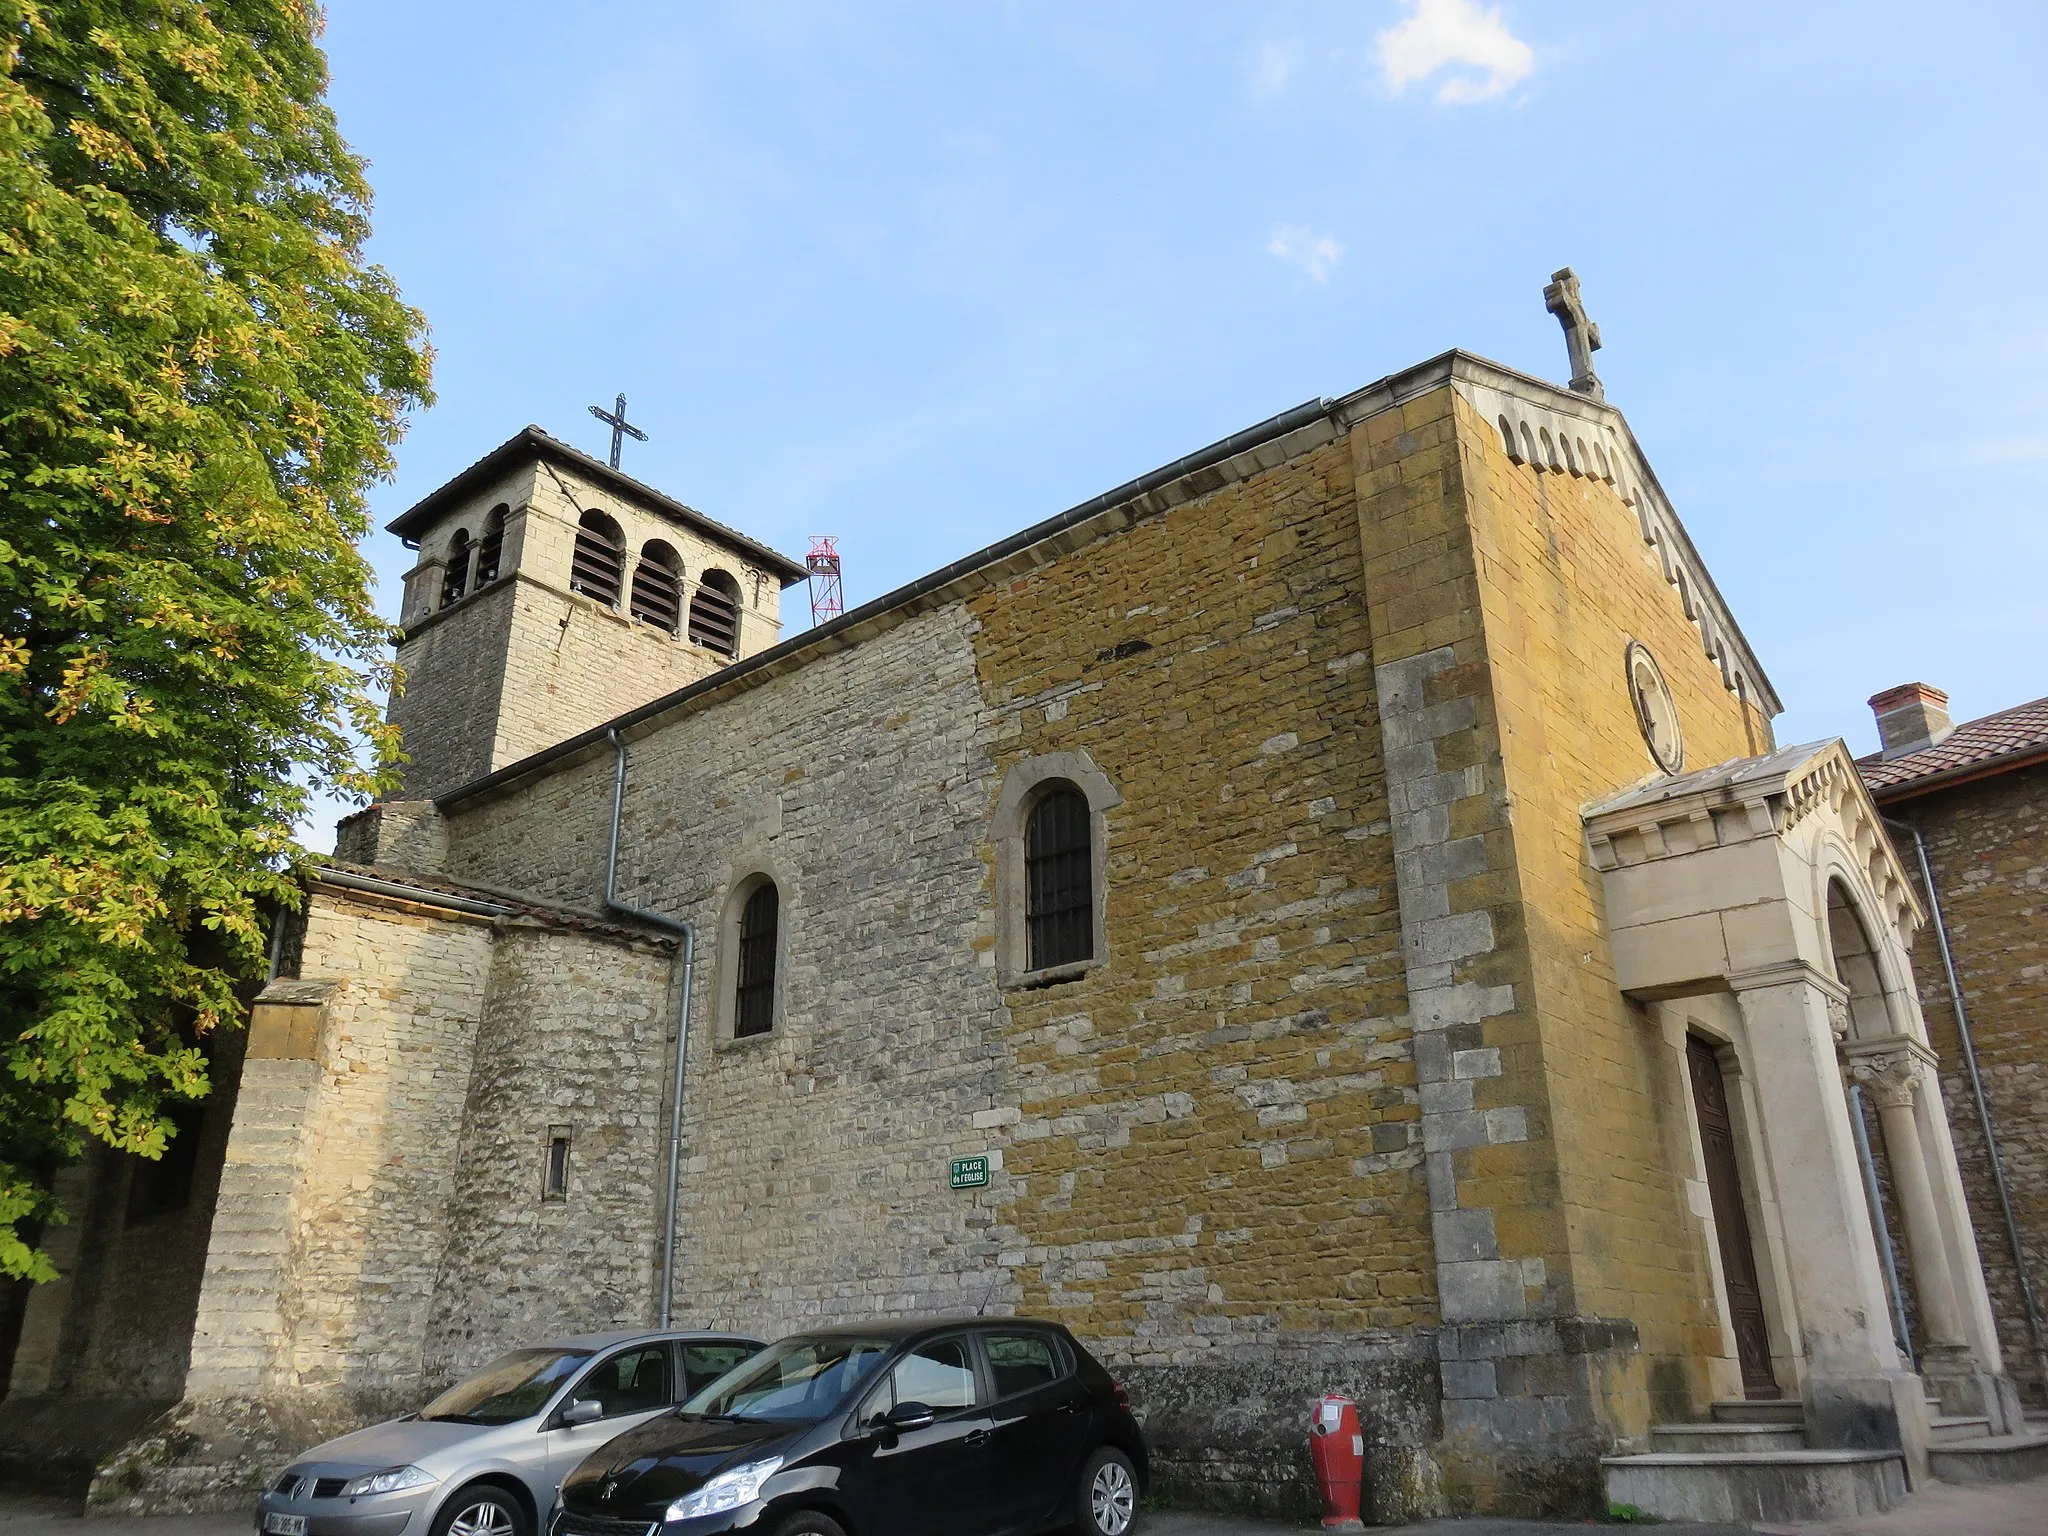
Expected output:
(1581, 335)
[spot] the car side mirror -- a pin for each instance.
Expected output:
(912, 1415)
(584, 1410)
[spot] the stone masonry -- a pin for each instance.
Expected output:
(1349, 1100)
(1987, 842)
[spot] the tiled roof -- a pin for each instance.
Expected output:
(2021, 729)
(531, 442)
(547, 914)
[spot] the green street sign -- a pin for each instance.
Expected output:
(967, 1172)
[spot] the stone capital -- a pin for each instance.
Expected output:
(1890, 1077)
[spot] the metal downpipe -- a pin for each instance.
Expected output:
(1884, 1230)
(1998, 1181)
(688, 932)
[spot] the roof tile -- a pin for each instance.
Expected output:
(2018, 729)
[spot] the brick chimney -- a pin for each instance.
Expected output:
(1910, 718)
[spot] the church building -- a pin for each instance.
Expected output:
(1330, 914)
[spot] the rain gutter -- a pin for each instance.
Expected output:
(688, 933)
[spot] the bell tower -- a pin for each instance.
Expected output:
(554, 593)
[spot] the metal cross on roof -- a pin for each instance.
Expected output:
(622, 429)
(1581, 335)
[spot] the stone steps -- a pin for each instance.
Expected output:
(1749, 1461)
(1989, 1458)
(1759, 1410)
(1942, 1429)
(1757, 1485)
(1725, 1438)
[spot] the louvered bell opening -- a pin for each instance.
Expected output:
(715, 620)
(455, 581)
(597, 567)
(490, 551)
(657, 597)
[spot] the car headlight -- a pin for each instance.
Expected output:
(390, 1480)
(728, 1490)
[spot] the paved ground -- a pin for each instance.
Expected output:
(2005, 1509)
(1226, 1525)
(2010, 1509)
(1943, 1509)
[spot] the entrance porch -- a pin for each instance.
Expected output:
(1762, 921)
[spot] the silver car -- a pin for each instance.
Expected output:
(487, 1457)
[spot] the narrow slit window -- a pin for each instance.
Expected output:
(657, 587)
(490, 550)
(1059, 875)
(455, 580)
(754, 996)
(555, 1180)
(715, 614)
(598, 564)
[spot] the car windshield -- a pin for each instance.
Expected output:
(511, 1387)
(797, 1379)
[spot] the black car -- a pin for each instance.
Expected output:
(941, 1427)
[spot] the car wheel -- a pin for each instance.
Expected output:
(1107, 1500)
(482, 1510)
(808, 1522)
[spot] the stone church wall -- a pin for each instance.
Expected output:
(1502, 598)
(575, 1040)
(1349, 1100)
(327, 1242)
(572, 663)
(116, 1322)
(1206, 1148)
(1566, 581)
(452, 687)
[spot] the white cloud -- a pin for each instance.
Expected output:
(2006, 450)
(1300, 246)
(1459, 35)
(1275, 67)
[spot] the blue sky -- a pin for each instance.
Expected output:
(921, 274)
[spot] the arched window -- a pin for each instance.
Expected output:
(490, 550)
(658, 586)
(715, 613)
(455, 579)
(599, 564)
(1059, 909)
(753, 1002)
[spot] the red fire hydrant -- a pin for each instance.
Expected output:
(1336, 1445)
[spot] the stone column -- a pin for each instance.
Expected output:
(1898, 1073)
(1857, 1395)
(1890, 1081)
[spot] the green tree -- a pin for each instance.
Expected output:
(200, 379)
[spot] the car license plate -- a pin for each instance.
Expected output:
(284, 1525)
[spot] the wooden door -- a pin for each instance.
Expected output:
(1731, 1220)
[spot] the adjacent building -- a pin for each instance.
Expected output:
(1967, 808)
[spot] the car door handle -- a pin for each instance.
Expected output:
(976, 1437)
(1071, 1405)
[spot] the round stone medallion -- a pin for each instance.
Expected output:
(1656, 710)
